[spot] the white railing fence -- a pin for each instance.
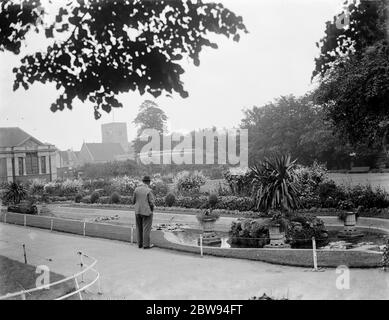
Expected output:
(79, 279)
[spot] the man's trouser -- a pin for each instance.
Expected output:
(143, 228)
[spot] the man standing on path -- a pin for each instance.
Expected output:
(144, 207)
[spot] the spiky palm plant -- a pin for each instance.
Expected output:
(15, 192)
(275, 184)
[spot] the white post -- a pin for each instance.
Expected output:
(5, 217)
(83, 228)
(201, 244)
(99, 286)
(24, 218)
(82, 266)
(51, 225)
(314, 254)
(132, 234)
(78, 287)
(23, 296)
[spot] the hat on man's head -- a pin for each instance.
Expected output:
(146, 179)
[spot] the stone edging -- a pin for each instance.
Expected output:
(292, 257)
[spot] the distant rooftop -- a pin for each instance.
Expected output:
(14, 136)
(104, 151)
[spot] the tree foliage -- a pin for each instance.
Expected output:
(16, 21)
(356, 97)
(296, 126)
(150, 116)
(358, 26)
(112, 47)
(354, 69)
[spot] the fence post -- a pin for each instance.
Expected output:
(83, 228)
(314, 254)
(24, 253)
(132, 234)
(201, 244)
(82, 266)
(78, 287)
(24, 220)
(51, 225)
(99, 286)
(5, 217)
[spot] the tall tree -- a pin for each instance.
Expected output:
(296, 126)
(150, 116)
(353, 70)
(112, 47)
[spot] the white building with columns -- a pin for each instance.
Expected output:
(23, 157)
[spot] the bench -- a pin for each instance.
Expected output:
(359, 170)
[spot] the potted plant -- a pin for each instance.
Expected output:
(277, 228)
(42, 204)
(349, 217)
(207, 218)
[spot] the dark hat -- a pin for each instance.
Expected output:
(146, 179)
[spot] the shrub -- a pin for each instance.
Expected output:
(159, 187)
(367, 197)
(310, 177)
(249, 232)
(86, 199)
(212, 200)
(330, 194)
(235, 203)
(94, 197)
(239, 181)
(52, 188)
(275, 184)
(37, 186)
(301, 229)
(170, 199)
(104, 200)
(78, 198)
(191, 202)
(14, 193)
(223, 190)
(186, 182)
(69, 187)
(115, 198)
(126, 200)
(125, 184)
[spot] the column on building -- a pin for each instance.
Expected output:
(9, 168)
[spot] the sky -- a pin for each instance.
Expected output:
(275, 58)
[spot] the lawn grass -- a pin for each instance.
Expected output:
(16, 276)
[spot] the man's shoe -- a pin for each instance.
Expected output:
(149, 247)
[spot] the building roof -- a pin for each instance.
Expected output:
(64, 155)
(104, 151)
(14, 136)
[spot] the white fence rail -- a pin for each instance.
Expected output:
(79, 289)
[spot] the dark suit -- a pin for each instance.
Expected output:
(144, 207)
